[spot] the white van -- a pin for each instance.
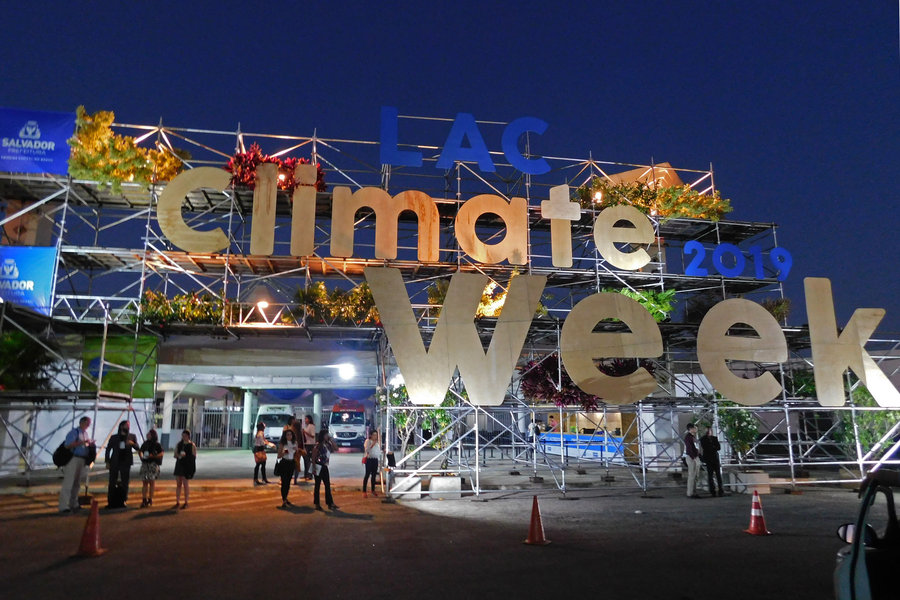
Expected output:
(274, 417)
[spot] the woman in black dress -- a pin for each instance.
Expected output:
(185, 466)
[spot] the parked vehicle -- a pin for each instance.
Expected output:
(866, 569)
(274, 417)
(347, 424)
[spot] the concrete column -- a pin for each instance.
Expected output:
(166, 427)
(317, 410)
(248, 427)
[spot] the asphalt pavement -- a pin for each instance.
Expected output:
(607, 538)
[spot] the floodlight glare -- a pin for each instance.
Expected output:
(346, 371)
(262, 304)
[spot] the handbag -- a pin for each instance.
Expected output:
(260, 456)
(278, 468)
(62, 455)
(364, 459)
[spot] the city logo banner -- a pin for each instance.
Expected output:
(35, 141)
(26, 276)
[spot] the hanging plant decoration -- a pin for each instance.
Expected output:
(242, 167)
(659, 304)
(100, 155)
(338, 307)
(548, 381)
(662, 201)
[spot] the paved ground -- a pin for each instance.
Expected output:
(610, 541)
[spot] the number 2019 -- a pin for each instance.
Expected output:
(779, 258)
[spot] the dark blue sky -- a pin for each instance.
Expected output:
(796, 105)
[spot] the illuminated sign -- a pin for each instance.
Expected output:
(456, 343)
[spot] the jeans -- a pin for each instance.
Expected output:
(323, 477)
(260, 468)
(371, 469)
(287, 473)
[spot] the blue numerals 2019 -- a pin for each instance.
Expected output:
(729, 261)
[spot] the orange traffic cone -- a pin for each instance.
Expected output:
(536, 529)
(757, 521)
(90, 540)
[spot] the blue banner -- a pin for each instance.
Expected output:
(33, 141)
(26, 276)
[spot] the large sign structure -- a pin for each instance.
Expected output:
(456, 344)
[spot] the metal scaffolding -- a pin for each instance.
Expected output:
(112, 251)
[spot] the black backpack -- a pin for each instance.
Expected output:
(62, 455)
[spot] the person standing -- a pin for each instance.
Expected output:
(709, 454)
(692, 459)
(320, 460)
(79, 443)
(309, 442)
(260, 443)
(119, 459)
(297, 427)
(151, 459)
(286, 451)
(185, 466)
(371, 452)
(553, 425)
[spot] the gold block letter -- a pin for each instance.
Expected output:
(715, 347)
(561, 211)
(387, 212)
(514, 245)
(833, 353)
(580, 346)
(606, 235)
(303, 211)
(265, 194)
(168, 210)
(455, 341)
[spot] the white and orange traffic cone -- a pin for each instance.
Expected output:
(90, 540)
(536, 529)
(757, 521)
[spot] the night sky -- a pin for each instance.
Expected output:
(795, 105)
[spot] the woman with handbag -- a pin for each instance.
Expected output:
(285, 466)
(185, 466)
(371, 452)
(260, 443)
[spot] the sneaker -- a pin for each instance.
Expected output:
(184, 506)
(374, 493)
(318, 507)
(365, 495)
(333, 506)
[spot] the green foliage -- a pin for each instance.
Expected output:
(408, 421)
(659, 304)
(779, 308)
(191, 308)
(242, 167)
(662, 201)
(338, 307)
(100, 155)
(740, 428)
(24, 363)
(872, 425)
